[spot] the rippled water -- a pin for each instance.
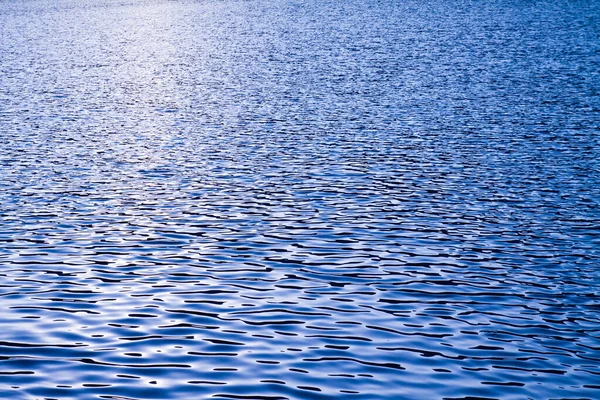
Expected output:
(299, 199)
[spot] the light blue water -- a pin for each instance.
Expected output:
(299, 199)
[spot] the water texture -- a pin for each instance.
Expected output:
(272, 199)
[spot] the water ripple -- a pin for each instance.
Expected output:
(364, 199)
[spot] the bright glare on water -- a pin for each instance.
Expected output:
(286, 199)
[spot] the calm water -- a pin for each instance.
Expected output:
(271, 199)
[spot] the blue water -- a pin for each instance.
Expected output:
(271, 199)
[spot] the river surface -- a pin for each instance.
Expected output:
(270, 199)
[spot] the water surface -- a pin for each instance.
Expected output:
(299, 199)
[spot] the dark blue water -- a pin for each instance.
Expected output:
(271, 199)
